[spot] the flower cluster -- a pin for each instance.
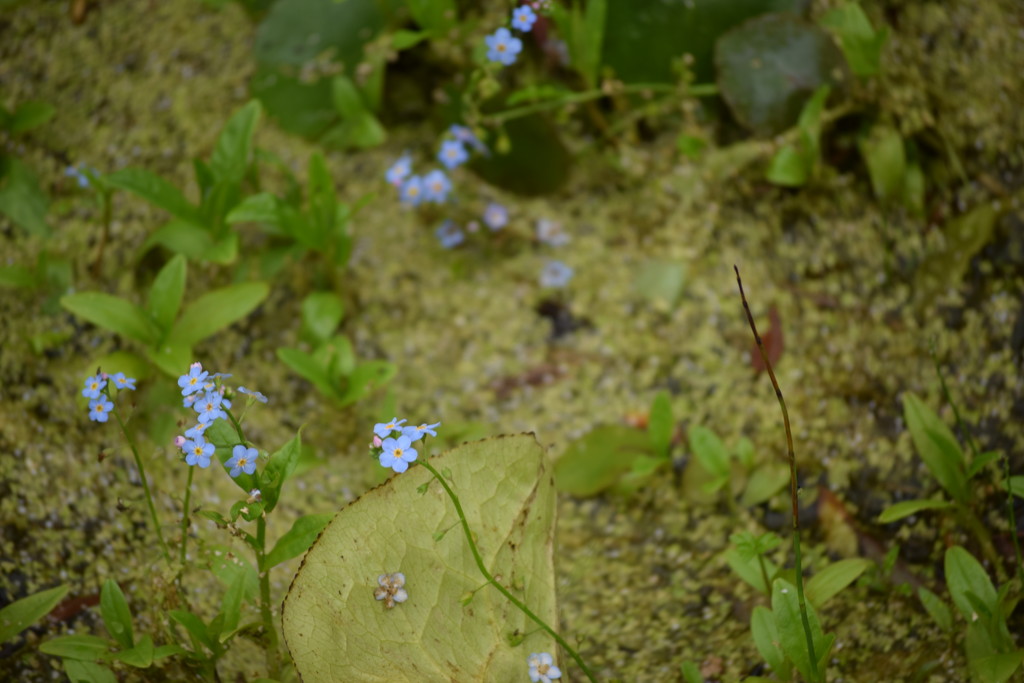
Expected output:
(97, 390)
(413, 190)
(395, 442)
(502, 46)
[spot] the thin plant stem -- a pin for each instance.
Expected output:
(699, 90)
(185, 519)
(270, 631)
(145, 486)
(491, 580)
(792, 483)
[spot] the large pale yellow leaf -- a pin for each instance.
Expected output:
(337, 631)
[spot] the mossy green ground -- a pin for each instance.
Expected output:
(642, 584)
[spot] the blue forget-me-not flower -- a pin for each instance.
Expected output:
(99, 409)
(415, 433)
(495, 216)
(397, 453)
(242, 460)
(399, 170)
(436, 186)
(122, 382)
(198, 452)
(93, 386)
(555, 274)
(449, 235)
(412, 191)
(502, 47)
(523, 18)
(452, 154)
(542, 668)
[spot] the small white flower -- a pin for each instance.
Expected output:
(542, 668)
(391, 589)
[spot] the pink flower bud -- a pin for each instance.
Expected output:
(179, 441)
(376, 441)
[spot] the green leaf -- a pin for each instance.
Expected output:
(711, 454)
(166, 292)
(995, 668)
(937, 446)
(596, 461)
(85, 647)
(193, 241)
(196, 628)
(979, 463)
(861, 44)
(298, 539)
(88, 672)
(660, 425)
(792, 638)
(365, 378)
(964, 575)
(1015, 485)
(884, 155)
(169, 650)
(321, 315)
(20, 614)
(114, 314)
(306, 366)
(660, 283)
(140, 656)
(279, 468)
(230, 158)
(231, 608)
(764, 482)
(215, 310)
(17, 277)
(155, 190)
(536, 93)
(30, 115)
(766, 639)
(910, 507)
(435, 16)
(323, 200)
(937, 608)
(506, 491)
(769, 66)
(256, 208)
(790, 167)
(749, 569)
(358, 127)
(403, 40)
(691, 673)
(824, 585)
(23, 201)
(171, 358)
(117, 617)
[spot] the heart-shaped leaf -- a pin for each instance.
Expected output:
(337, 630)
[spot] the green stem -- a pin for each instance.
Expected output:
(145, 487)
(764, 575)
(185, 519)
(491, 580)
(1013, 524)
(793, 494)
(270, 631)
(700, 90)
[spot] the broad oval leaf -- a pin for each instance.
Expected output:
(769, 67)
(216, 310)
(336, 630)
(114, 314)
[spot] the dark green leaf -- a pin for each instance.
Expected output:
(595, 462)
(166, 291)
(835, 577)
(231, 607)
(23, 201)
(86, 647)
(910, 507)
(766, 638)
(979, 463)
(140, 656)
(403, 40)
(193, 241)
(770, 66)
(196, 628)
(168, 651)
(537, 161)
(297, 540)
(116, 315)
(435, 16)
(358, 127)
(230, 158)
(79, 671)
(964, 575)
(660, 425)
(283, 38)
(20, 614)
(30, 115)
(216, 310)
(935, 607)
(155, 190)
(995, 668)
(321, 315)
(279, 468)
(936, 445)
(792, 638)
(323, 200)
(1015, 485)
(17, 277)
(299, 107)
(117, 617)
(691, 673)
